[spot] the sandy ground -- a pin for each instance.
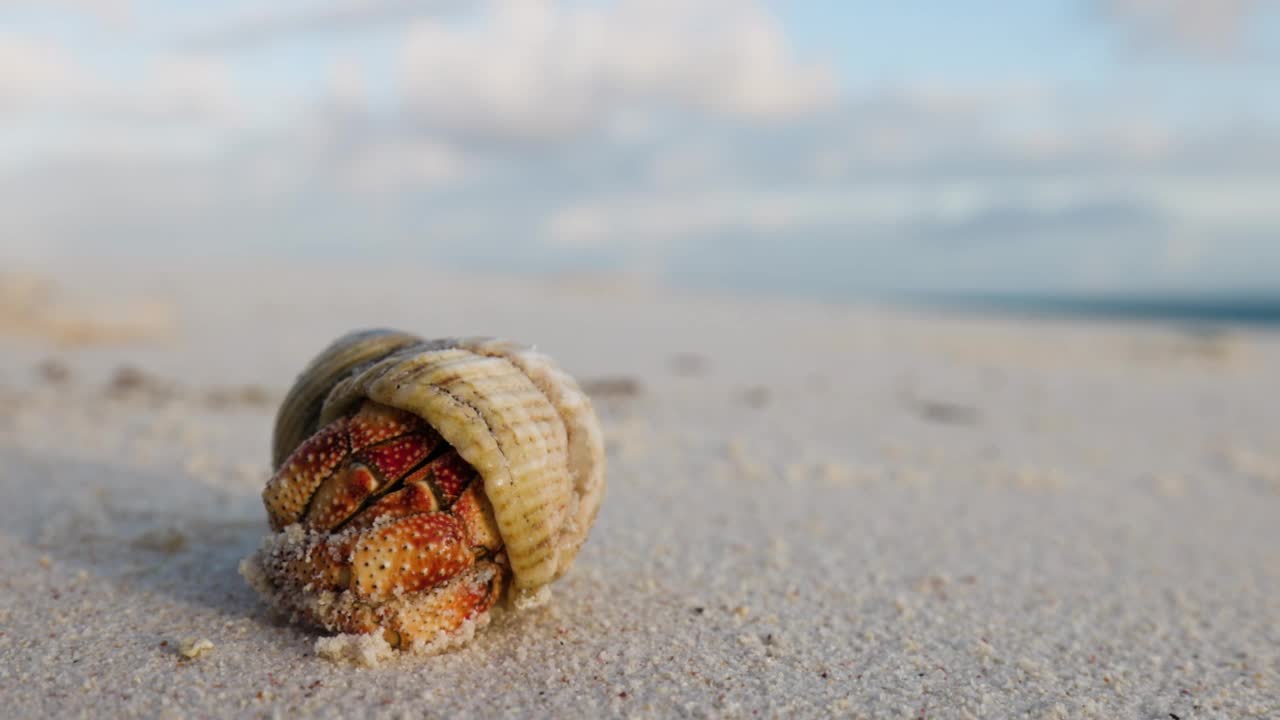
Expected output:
(813, 511)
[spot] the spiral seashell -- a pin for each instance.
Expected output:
(415, 480)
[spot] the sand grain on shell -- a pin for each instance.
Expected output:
(872, 514)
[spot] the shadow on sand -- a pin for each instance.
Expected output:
(143, 529)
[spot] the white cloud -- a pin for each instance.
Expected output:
(1213, 27)
(113, 11)
(964, 211)
(348, 88)
(659, 129)
(34, 73)
(661, 216)
(178, 87)
(536, 71)
(38, 76)
(690, 163)
(272, 22)
(408, 164)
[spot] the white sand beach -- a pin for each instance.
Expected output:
(813, 510)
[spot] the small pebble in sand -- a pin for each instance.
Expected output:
(364, 650)
(756, 397)
(243, 396)
(688, 364)
(54, 371)
(1253, 464)
(192, 648)
(164, 540)
(947, 413)
(254, 395)
(1170, 485)
(131, 382)
(127, 379)
(612, 387)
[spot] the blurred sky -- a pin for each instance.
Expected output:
(831, 147)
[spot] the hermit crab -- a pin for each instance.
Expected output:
(419, 482)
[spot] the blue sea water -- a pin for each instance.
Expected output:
(1260, 310)
(1254, 308)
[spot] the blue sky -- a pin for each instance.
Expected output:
(824, 146)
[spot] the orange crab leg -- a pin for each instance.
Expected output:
(436, 485)
(445, 609)
(409, 555)
(449, 474)
(414, 498)
(403, 618)
(330, 475)
(368, 473)
(289, 491)
(374, 423)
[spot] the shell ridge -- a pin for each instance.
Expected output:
(528, 514)
(584, 447)
(506, 461)
(540, 551)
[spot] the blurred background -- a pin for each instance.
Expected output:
(1083, 150)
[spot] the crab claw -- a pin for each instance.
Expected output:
(289, 491)
(448, 474)
(413, 498)
(329, 476)
(475, 515)
(373, 423)
(371, 470)
(435, 486)
(409, 555)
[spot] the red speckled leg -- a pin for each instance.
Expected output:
(331, 475)
(289, 491)
(366, 474)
